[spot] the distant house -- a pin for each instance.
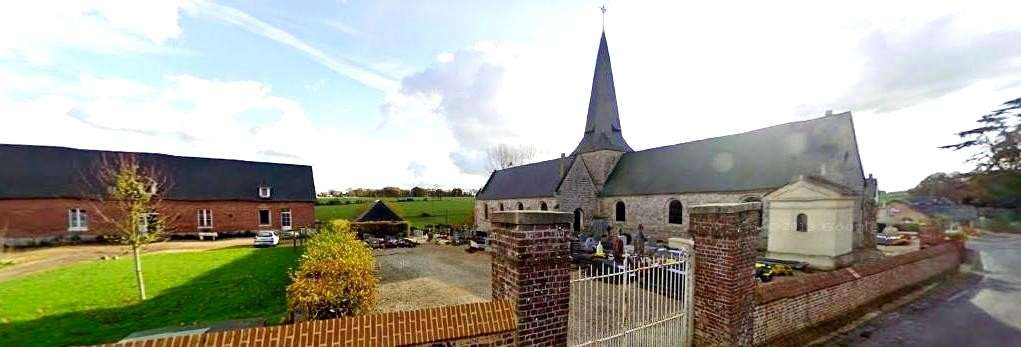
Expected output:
(48, 194)
(923, 210)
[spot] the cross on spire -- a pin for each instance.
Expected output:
(603, 8)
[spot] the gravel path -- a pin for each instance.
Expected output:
(33, 260)
(432, 276)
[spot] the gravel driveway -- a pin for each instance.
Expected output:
(431, 276)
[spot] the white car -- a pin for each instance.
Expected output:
(266, 239)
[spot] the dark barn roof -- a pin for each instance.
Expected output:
(766, 158)
(58, 172)
(379, 212)
(526, 181)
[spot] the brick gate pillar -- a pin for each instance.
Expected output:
(531, 268)
(725, 237)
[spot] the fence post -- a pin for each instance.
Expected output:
(531, 268)
(725, 238)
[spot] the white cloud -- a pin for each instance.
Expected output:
(254, 25)
(189, 115)
(32, 30)
(685, 73)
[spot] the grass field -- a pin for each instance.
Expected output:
(445, 211)
(96, 302)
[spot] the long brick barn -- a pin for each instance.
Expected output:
(48, 194)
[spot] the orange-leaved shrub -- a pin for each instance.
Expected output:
(336, 276)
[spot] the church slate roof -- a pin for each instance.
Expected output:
(533, 180)
(602, 124)
(379, 212)
(32, 172)
(766, 158)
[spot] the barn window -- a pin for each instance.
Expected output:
(620, 211)
(264, 218)
(521, 206)
(542, 206)
(205, 218)
(675, 214)
(802, 222)
(77, 220)
(485, 211)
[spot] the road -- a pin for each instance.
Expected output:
(981, 308)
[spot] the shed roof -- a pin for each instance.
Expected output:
(30, 172)
(379, 212)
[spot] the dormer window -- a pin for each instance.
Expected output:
(265, 192)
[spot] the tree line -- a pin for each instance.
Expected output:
(397, 192)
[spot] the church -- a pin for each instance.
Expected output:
(818, 206)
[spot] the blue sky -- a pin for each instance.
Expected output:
(374, 93)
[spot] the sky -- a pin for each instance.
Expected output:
(405, 93)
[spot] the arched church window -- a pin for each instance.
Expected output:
(521, 206)
(542, 206)
(675, 213)
(485, 209)
(620, 211)
(577, 219)
(802, 222)
(501, 206)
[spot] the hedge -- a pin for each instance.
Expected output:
(336, 276)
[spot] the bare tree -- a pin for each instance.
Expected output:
(131, 205)
(504, 156)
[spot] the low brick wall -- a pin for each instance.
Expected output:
(787, 311)
(481, 324)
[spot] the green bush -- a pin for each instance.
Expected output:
(336, 276)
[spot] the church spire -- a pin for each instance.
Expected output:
(602, 127)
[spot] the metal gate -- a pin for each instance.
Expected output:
(639, 301)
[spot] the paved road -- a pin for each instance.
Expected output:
(985, 310)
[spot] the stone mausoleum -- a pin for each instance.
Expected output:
(817, 204)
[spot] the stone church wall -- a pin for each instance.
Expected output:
(482, 223)
(578, 191)
(652, 211)
(600, 164)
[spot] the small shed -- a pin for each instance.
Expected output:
(380, 220)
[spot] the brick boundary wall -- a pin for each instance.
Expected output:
(531, 269)
(491, 324)
(796, 311)
(725, 237)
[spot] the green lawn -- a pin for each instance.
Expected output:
(445, 211)
(96, 301)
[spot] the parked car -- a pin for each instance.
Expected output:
(266, 239)
(373, 242)
(407, 243)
